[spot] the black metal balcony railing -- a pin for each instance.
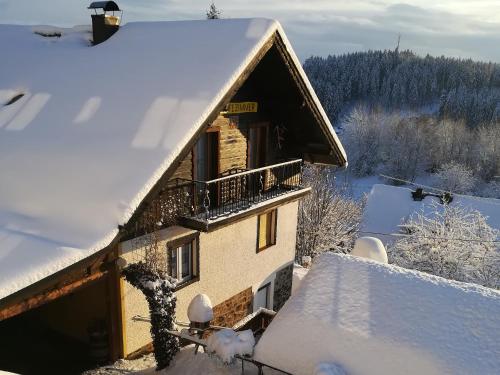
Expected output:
(238, 190)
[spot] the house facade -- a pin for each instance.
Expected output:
(219, 213)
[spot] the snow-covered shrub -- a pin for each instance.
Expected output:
(327, 217)
(453, 242)
(455, 177)
(159, 292)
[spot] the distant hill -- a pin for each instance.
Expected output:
(463, 89)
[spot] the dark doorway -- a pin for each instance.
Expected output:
(65, 336)
(206, 157)
(257, 145)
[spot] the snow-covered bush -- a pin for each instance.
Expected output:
(159, 292)
(327, 217)
(453, 242)
(455, 177)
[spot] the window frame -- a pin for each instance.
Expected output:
(194, 264)
(273, 233)
(267, 287)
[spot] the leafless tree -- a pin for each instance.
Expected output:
(328, 218)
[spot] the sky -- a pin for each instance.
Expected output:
(459, 28)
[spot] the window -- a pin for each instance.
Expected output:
(183, 259)
(266, 226)
(262, 297)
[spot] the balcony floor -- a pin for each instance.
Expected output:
(221, 216)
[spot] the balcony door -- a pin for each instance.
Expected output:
(206, 157)
(257, 145)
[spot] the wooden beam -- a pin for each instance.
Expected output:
(48, 296)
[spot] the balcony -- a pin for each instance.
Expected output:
(203, 204)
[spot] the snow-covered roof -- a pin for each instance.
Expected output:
(387, 207)
(371, 318)
(97, 127)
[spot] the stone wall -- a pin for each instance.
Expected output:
(232, 310)
(282, 286)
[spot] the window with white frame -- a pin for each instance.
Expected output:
(183, 259)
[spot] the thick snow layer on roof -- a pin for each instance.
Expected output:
(97, 126)
(372, 318)
(387, 207)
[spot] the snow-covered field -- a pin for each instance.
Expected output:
(372, 318)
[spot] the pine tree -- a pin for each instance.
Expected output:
(213, 13)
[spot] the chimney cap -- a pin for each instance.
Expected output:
(107, 6)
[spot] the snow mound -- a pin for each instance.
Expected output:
(370, 248)
(200, 309)
(373, 318)
(226, 343)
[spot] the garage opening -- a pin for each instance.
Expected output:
(65, 336)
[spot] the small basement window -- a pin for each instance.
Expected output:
(183, 259)
(266, 230)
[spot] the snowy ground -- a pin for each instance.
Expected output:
(185, 363)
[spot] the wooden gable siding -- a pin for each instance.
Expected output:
(232, 145)
(232, 149)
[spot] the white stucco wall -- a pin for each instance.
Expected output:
(229, 264)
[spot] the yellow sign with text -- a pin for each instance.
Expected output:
(243, 107)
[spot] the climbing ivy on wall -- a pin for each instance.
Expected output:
(159, 293)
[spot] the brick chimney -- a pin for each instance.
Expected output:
(104, 21)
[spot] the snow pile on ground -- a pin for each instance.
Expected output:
(226, 343)
(299, 273)
(373, 318)
(387, 207)
(370, 248)
(184, 363)
(200, 309)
